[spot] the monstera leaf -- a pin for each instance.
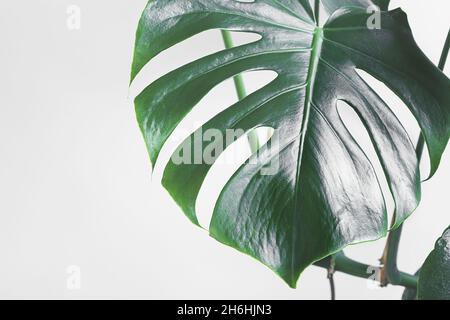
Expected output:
(333, 5)
(324, 193)
(434, 278)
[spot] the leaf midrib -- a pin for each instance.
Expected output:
(316, 49)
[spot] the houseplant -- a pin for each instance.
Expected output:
(324, 193)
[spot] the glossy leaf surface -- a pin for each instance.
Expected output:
(410, 293)
(324, 193)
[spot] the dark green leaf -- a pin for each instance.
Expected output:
(325, 194)
(434, 278)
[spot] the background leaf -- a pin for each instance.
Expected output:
(434, 278)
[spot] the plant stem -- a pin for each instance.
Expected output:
(332, 287)
(241, 92)
(344, 264)
(390, 272)
(330, 275)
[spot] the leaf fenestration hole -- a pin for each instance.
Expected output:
(264, 134)
(238, 152)
(194, 48)
(355, 126)
(222, 170)
(402, 113)
(241, 38)
(217, 100)
(255, 80)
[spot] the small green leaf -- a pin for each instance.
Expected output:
(434, 278)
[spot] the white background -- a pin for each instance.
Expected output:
(75, 178)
